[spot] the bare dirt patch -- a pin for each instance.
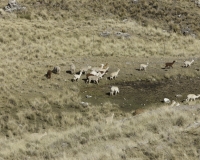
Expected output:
(140, 89)
(141, 94)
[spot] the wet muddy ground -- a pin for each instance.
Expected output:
(140, 89)
(142, 94)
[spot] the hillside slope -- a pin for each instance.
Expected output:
(181, 17)
(44, 118)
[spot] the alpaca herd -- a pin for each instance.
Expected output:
(94, 74)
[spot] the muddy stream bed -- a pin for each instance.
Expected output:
(141, 94)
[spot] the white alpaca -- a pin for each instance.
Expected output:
(188, 63)
(104, 69)
(56, 70)
(93, 72)
(192, 97)
(144, 66)
(85, 69)
(72, 68)
(77, 76)
(114, 90)
(114, 74)
(97, 68)
(93, 78)
(101, 74)
(109, 120)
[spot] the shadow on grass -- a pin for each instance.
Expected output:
(69, 72)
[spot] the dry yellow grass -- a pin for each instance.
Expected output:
(34, 41)
(165, 133)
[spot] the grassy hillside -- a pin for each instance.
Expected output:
(173, 16)
(56, 32)
(81, 22)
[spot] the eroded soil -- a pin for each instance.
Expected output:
(139, 89)
(139, 94)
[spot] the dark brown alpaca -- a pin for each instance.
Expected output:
(48, 75)
(168, 65)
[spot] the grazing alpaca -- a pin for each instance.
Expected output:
(114, 90)
(93, 78)
(85, 69)
(101, 74)
(48, 75)
(87, 75)
(169, 64)
(77, 76)
(144, 66)
(192, 97)
(114, 74)
(188, 63)
(72, 68)
(97, 69)
(104, 69)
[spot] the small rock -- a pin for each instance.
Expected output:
(88, 96)
(128, 63)
(85, 104)
(166, 100)
(178, 95)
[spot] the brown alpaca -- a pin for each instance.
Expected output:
(89, 74)
(169, 64)
(138, 111)
(105, 66)
(48, 75)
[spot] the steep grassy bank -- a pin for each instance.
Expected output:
(179, 17)
(165, 133)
